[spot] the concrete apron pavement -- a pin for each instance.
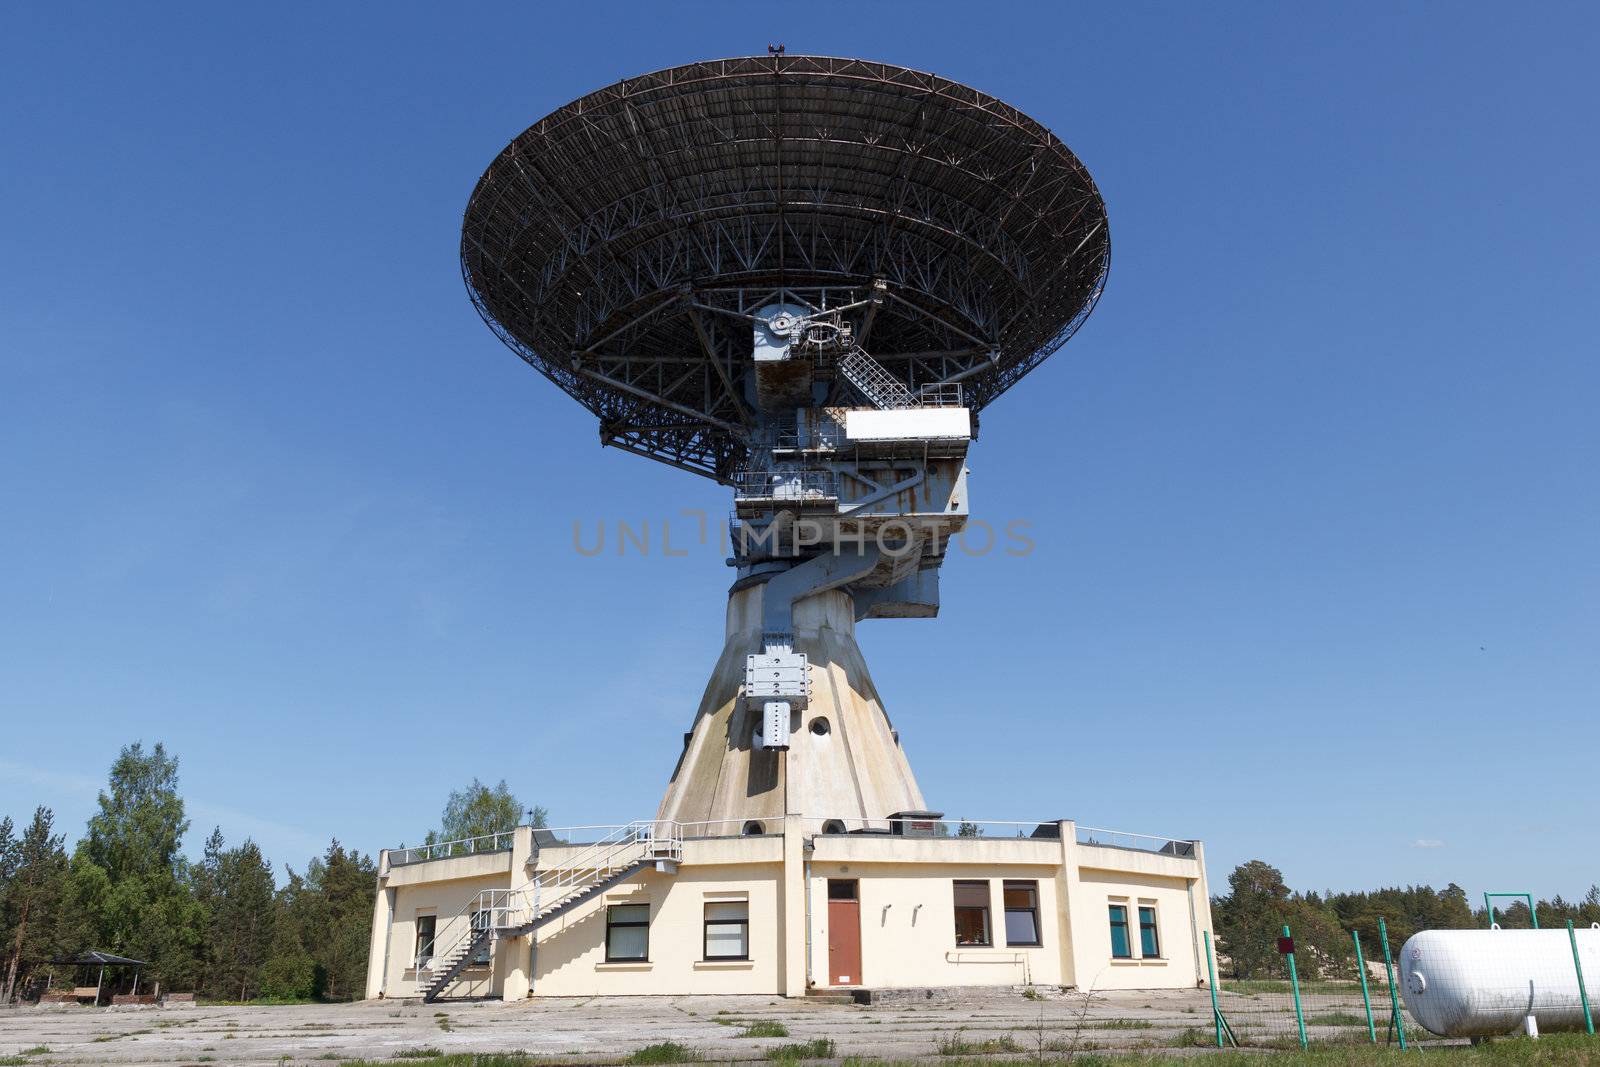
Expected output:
(600, 1029)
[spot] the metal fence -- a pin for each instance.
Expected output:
(1272, 989)
(1276, 992)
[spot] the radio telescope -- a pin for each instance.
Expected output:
(803, 277)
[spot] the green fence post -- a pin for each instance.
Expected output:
(1583, 994)
(1361, 968)
(1211, 970)
(1294, 983)
(1394, 996)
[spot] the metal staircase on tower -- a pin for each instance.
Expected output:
(511, 913)
(875, 384)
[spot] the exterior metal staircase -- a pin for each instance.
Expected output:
(875, 384)
(510, 913)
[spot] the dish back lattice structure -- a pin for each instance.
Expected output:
(609, 242)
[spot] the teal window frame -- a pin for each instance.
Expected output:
(1149, 936)
(1121, 946)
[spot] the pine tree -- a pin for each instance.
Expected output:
(343, 883)
(36, 867)
(205, 886)
(242, 921)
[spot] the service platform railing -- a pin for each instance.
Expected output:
(940, 395)
(787, 486)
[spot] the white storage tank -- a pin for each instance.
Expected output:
(1477, 983)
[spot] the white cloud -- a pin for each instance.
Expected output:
(63, 783)
(281, 842)
(1427, 842)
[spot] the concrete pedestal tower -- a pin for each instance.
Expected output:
(844, 762)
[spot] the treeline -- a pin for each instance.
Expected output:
(1251, 916)
(221, 926)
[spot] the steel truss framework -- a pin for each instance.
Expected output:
(620, 243)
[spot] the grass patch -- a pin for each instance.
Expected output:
(1120, 1024)
(765, 1028)
(959, 1046)
(1308, 987)
(37, 1050)
(820, 1049)
(1551, 1050)
(1337, 1018)
(457, 1059)
(443, 1020)
(419, 1054)
(664, 1052)
(1193, 1037)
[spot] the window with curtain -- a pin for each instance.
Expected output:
(1022, 912)
(426, 924)
(972, 913)
(1149, 940)
(628, 933)
(727, 930)
(1121, 947)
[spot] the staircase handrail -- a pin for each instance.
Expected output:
(509, 908)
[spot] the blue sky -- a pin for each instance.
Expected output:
(1313, 491)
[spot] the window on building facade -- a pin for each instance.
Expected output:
(727, 930)
(425, 928)
(1149, 939)
(1121, 948)
(627, 933)
(972, 913)
(1022, 913)
(482, 954)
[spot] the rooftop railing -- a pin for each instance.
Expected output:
(1165, 846)
(462, 846)
(990, 829)
(942, 827)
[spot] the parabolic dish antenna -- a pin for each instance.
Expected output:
(603, 242)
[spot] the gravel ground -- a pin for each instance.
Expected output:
(593, 1029)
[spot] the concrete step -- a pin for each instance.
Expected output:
(831, 996)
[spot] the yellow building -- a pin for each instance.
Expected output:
(671, 908)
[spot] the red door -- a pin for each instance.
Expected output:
(844, 932)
